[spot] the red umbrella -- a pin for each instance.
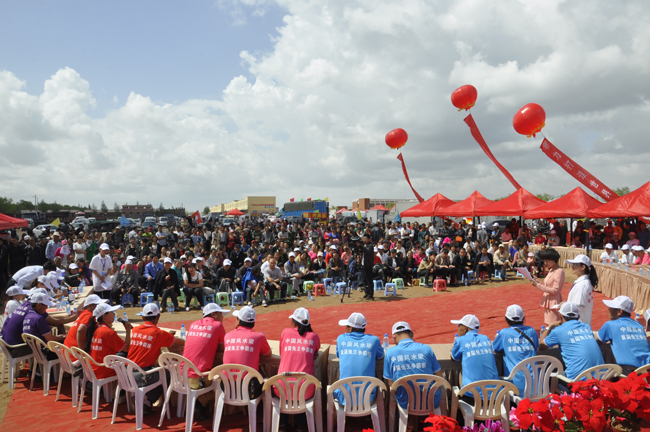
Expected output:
(429, 207)
(516, 204)
(234, 212)
(8, 222)
(466, 207)
(634, 204)
(575, 204)
(379, 207)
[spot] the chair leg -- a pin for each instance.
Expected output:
(117, 399)
(81, 394)
(189, 411)
(4, 365)
(311, 424)
(340, 419)
(46, 378)
(218, 410)
(252, 417)
(179, 405)
(275, 419)
(403, 418)
(75, 392)
(96, 390)
(12, 371)
(376, 422)
(164, 407)
(139, 402)
(58, 387)
(381, 416)
(31, 384)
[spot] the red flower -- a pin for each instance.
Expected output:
(527, 416)
(592, 414)
(442, 424)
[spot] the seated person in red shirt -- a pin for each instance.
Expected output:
(540, 239)
(299, 346)
(146, 343)
(77, 333)
(243, 346)
(103, 340)
(204, 338)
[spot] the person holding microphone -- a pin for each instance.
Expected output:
(103, 340)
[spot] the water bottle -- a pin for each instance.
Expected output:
(640, 271)
(172, 306)
(82, 285)
(58, 305)
(124, 317)
(386, 343)
(183, 331)
(67, 308)
(169, 308)
(541, 332)
(309, 296)
(637, 317)
(627, 267)
(70, 297)
(74, 312)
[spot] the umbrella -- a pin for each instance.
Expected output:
(234, 212)
(516, 204)
(429, 207)
(634, 204)
(575, 204)
(9, 222)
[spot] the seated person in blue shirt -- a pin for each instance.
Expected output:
(409, 358)
(579, 348)
(475, 352)
(357, 352)
(517, 342)
(629, 343)
(35, 323)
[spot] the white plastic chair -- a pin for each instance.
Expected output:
(36, 344)
(642, 369)
(357, 396)
(124, 369)
(494, 405)
(13, 362)
(89, 376)
(600, 372)
(292, 400)
(538, 383)
(235, 380)
(65, 365)
(421, 401)
(178, 367)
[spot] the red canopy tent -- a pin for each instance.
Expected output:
(342, 210)
(575, 204)
(634, 204)
(234, 212)
(466, 207)
(379, 207)
(9, 222)
(514, 205)
(429, 207)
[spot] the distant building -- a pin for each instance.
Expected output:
(368, 203)
(251, 205)
(137, 210)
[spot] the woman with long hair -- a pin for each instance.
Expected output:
(103, 340)
(552, 286)
(582, 293)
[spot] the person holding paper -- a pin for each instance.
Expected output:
(552, 286)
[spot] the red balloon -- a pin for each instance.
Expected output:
(464, 97)
(529, 120)
(396, 138)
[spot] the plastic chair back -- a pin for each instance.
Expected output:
(642, 369)
(86, 363)
(421, 401)
(123, 368)
(178, 367)
(538, 383)
(36, 344)
(235, 379)
(494, 392)
(600, 372)
(292, 387)
(64, 354)
(357, 392)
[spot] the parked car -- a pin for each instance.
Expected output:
(149, 222)
(30, 223)
(162, 221)
(42, 228)
(81, 222)
(136, 222)
(105, 225)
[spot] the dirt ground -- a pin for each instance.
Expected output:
(303, 301)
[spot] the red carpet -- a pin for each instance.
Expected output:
(428, 316)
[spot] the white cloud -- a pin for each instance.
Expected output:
(311, 120)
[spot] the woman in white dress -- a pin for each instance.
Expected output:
(582, 291)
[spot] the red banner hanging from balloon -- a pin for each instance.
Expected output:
(479, 139)
(578, 172)
(406, 175)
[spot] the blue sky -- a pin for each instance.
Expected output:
(170, 51)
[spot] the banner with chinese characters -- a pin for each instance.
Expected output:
(314, 215)
(578, 172)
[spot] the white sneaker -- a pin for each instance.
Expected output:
(187, 309)
(264, 304)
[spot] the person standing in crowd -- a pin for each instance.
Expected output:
(103, 340)
(100, 266)
(582, 293)
(408, 357)
(243, 346)
(79, 248)
(166, 284)
(17, 255)
(299, 346)
(517, 342)
(76, 336)
(204, 338)
(475, 353)
(33, 251)
(552, 286)
(627, 336)
(151, 270)
(52, 246)
(144, 350)
(354, 361)
(579, 349)
(368, 251)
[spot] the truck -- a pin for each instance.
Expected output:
(37, 216)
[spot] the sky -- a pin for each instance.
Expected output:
(203, 102)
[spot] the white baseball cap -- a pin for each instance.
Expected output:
(301, 315)
(94, 299)
(248, 259)
(42, 299)
(128, 262)
(609, 246)
(637, 248)
(356, 320)
(495, 224)
(212, 308)
(580, 259)
(569, 310)
(380, 247)
(167, 260)
(130, 257)
(227, 262)
(469, 321)
(623, 303)
(26, 237)
(296, 249)
(73, 266)
(103, 308)
(104, 246)
(319, 254)
(56, 233)
(483, 225)
(16, 290)
(246, 314)
(150, 309)
(291, 254)
(401, 326)
(625, 247)
(515, 313)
